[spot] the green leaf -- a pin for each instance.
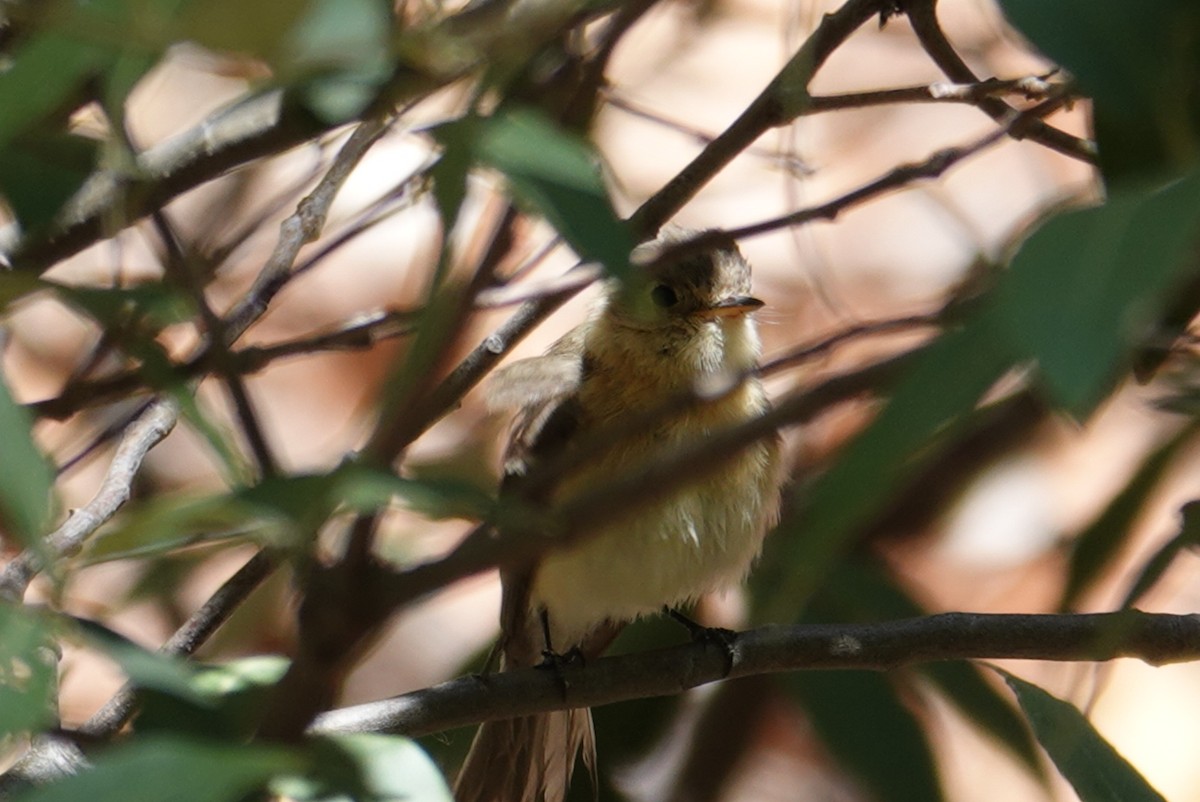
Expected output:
(1095, 770)
(861, 720)
(365, 766)
(254, 28)
(345, 43)
(151, 307)
(944, 384)
(557, 175)
(43, 76)
(27, 672)
(1161, 560)
(227, 704)
(860, 590)
(151, 769)
(1101, 541)
(26, 477)
(1085, 288)
(275, 509)
(165, 524)
(964, 685)
(39, 174)
(1139, 62)
(145, 669)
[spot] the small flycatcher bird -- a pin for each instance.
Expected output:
(659, 334)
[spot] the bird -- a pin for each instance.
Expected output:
(663, 331)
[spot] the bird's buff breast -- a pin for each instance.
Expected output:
(699, 539)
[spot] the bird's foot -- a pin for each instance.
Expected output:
(559, 663)
(723, 639)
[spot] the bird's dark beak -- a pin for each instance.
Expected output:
(734, 306)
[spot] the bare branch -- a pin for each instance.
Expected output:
(1155, 638)
(143, 434)
(922, 15)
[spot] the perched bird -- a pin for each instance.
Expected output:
(661, 333)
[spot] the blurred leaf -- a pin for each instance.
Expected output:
(15, 285)
(366, 489)
(1095, 770)
(873, 736)
(944, 383)
(1101, 541)
(166, 523)
(1160, 561)
(964, 685)
(457, 139)
(557, 174)
(26, 477)
(370, 768)
(276, 508)
(345, 43)
(228, 700)
(860, 590)
(42, 76)
(249, 28)
(27, 672)
(38, 174)
(221, 439)
(151, 307)
(151, 769)
(1140, 62)
(145, 669)
(1086, 287)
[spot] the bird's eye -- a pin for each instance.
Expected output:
(663, 296)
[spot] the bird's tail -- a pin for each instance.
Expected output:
(527, 759)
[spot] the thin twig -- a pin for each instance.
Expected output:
(922, 15)
(199, 627)
(894, 179)
(142, 435)
(1155, 638)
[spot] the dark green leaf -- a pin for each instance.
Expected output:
(944, 383)
(364, 490)
(1161, 560)
(39, 174)
(965, 686)
(26, 477)
(275, 509)
(1085, 288)
(859, 590)
(1140, 62)
(165, 524)
(44, 75)
(343, 46)
(368, 767)
(152, 769)
(870, 732)
(227, 704)
(557, 175)
(1101, 541)
(253, 28)
(152, 306)
(145, 669)
(1095, 770)
(27, 672)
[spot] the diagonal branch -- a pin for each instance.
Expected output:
(147, 431)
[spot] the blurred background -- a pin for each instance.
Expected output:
(987, 529)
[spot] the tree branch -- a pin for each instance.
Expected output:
(1155, 638)
(147, 431)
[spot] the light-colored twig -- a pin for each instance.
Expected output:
(142, 435)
